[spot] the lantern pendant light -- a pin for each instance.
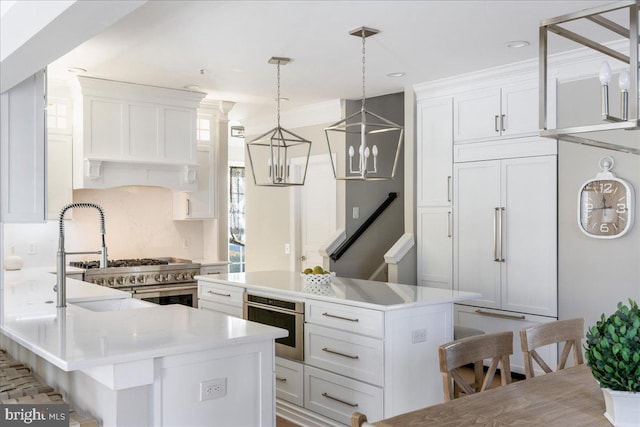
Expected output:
(271, 154)
(370, 142)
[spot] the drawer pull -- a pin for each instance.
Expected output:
(328, 350)
(282, 380)
(340, 317)
(218, 293)
(500, 315)
(328, 396)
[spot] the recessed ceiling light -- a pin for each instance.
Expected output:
(76, 70)
(517, 44)
(397, 74)
(191, 87)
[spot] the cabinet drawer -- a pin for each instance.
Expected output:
(344, 353)
(218, 292)
(337, 397)
(213, 269)
(491, 321)
(347, 318)
(231, 310)
(289, 381)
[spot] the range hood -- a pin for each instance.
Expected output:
(613, 132)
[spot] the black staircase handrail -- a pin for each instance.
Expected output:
(351, 240)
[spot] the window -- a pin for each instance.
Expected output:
(203, 131)
(236, 220)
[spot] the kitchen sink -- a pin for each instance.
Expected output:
(114, 304)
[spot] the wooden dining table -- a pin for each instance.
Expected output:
(567, 398)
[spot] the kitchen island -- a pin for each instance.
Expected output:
(131, 363)
(367, 345)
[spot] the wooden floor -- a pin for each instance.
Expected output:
(467, 373)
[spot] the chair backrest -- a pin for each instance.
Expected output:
(473, 350)
(569, 331)
(359, 419)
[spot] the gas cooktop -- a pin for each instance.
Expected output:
(133, 262)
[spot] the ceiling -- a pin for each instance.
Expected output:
(167, 43)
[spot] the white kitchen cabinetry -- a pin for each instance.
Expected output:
(506, 112)
(434, 191)
(198, 204)
(23, 151)
(290, 381)
(491, 321)
(506, 229)
(220, 297)
(59, 178)
(214, 268)
(129, 134)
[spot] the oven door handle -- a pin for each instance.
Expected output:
(158, 290)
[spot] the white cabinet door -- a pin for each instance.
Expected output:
(23, 151)
(477, 196)
(179, 132)
(435, 246)
(434, 151)
(520, 109)
(529, 270)
(59, 178)
(199, 204)
(144, 132)
(476, 115)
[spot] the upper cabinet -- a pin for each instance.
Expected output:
(130, 134)
(487, 114)
(23, 151)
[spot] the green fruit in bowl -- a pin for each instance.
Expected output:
(318, 270)
(308, 271)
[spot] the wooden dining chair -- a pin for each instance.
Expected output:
(569, 331)
(473, 350)
(359, 419)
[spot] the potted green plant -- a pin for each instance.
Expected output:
(613, 354)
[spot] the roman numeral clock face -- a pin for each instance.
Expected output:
(605, 208)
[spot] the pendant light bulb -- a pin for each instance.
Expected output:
(623, 80)
(605, 73)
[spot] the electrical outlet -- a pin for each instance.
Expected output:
(356, 212)
(213, 389)
(33, 248)
(287, 248)
(186, 243)
(418, 335)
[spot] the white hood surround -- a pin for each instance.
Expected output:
(130, 134)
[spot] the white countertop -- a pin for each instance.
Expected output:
(75, 338)
(356, 292)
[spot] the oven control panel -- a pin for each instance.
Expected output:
(132, 279)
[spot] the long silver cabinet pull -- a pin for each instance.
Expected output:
(449, 188)
(495, 123)
(495, 234)
(502, 120)
(340, 317)
(328, 396)
(282, 380)
(218, 293)
(500, 315)
(328, 350)
(188, 207)
(449, 224)
(500, 230)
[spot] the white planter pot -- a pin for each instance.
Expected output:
(622, 407)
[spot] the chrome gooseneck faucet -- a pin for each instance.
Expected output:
(61, 271)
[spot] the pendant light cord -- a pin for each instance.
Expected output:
(363, 66)
(278, 96)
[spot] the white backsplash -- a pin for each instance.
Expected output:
(138, 223)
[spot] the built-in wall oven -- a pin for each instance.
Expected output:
(281, 313)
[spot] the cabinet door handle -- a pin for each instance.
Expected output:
(340, 317)
(218, 293)
(449, 188)
(188, 207)
(500, 315)
(449, 224)
(495, 123)
(495, 234)
(328, 396)
(282, 380)
(500, 231)
(328, 350)
(502, 121)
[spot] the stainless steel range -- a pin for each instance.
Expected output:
(157, 280)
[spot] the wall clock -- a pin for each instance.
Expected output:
(606, 204)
